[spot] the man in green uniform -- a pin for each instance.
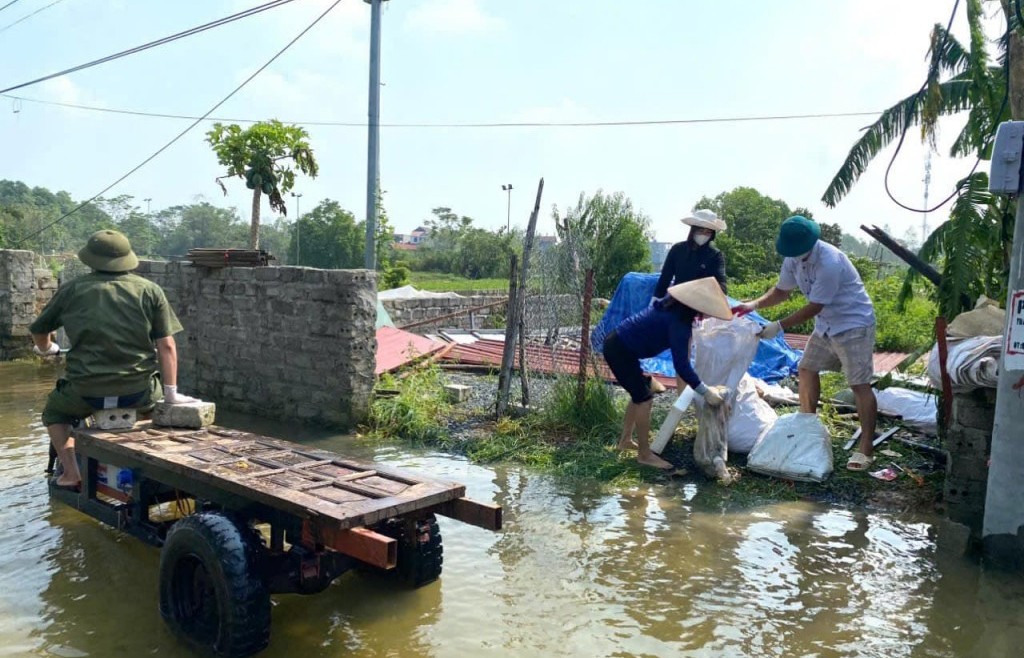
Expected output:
(121, 329)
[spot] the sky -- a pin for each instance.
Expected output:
(488, 61)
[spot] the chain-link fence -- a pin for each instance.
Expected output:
(554, 335)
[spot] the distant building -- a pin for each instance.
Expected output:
(545, 242)
(659, 252)
(410, 241)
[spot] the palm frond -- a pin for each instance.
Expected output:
(962, 245)
(955, 97)
(951, 57)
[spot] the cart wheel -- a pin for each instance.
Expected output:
(210, 593)
(420, 553)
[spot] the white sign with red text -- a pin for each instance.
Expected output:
(1013, 351)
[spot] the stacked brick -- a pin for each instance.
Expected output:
(968, 442)
(290, 343)
(24, 290)
(542, 312)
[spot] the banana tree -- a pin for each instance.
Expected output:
(262, 155)
(971, 248)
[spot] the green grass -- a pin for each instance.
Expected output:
(575, 441)
(909, 331)
(443, 282)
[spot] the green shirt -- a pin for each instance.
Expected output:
(112, 321)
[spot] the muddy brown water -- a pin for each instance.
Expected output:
(575, 572)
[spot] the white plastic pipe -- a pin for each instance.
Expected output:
(675, 414)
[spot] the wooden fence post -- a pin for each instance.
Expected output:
(516, 308)
(588, 294)
(508, 350)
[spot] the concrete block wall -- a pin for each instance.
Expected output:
(968, 442)
(412, 311)
(291, 343)
(541, 312)
(24, 291)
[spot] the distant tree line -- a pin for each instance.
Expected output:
(600, 231)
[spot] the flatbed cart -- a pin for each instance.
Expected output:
(239, 516)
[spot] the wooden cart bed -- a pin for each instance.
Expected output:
(294, 479)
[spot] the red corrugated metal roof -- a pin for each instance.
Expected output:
(395, 348)
(565, 361)
(538, 358)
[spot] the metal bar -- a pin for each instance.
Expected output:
(360, 543)
(467, 510)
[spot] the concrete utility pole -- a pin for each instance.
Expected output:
(1003, 529)
(298, 217)
(508, 207)
(373, 138)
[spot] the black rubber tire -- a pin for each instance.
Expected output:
(420, 550)
(210, 592)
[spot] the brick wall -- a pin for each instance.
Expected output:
(541, 311)
(968, 441)
(291, 343)
(24, 291)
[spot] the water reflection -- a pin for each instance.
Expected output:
(576, 572)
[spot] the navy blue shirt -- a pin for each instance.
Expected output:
(687, 262)
(656, 329)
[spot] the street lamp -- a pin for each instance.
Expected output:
(508, 218)
(298, 216)
(147, 200)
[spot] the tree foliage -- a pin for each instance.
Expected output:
(971, 248)
(604, 232)
(753, 220)
(328, 237)
(263, 155)
(454, 245)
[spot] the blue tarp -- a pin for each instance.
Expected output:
(775, 359)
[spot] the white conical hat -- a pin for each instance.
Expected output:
(704, 218)
(704, 296)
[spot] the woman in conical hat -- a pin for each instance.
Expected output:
(667, 324)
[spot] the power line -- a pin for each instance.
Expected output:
(25, 18)
(186, 130)
(510, 124)
(8, 5)
(153, 44)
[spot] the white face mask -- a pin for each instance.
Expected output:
(701, 240)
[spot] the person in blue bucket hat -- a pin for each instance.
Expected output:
(844, 322)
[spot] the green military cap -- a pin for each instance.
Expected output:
(109, 251)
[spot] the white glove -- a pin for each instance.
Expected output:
(172, 396)
(713, 397)
(52, 350)
(770, 330)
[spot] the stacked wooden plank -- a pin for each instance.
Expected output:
(206, 257)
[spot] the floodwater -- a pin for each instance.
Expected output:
(575, 572)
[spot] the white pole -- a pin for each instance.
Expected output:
(1003, 530)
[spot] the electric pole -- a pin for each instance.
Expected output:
(298, 217)
(508, 211)
(1004, 514)
(373, 138)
